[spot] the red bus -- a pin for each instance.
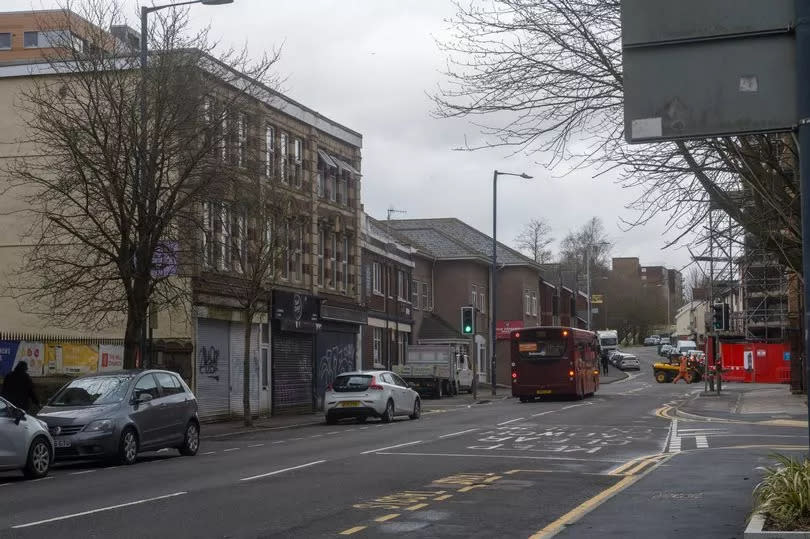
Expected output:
(554, 361)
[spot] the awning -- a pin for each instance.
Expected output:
(347, 166)
(327, 159)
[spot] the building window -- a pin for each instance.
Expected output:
(330, 187)
(377, 344)
(298, 262)
(225, 238)
(474, 296)
(298, 160)
(425, 297)
(209, 234)
(643, 277)
(285, 256)
(482, 303)
(376, 281)
(534, 303)
(402, 285)
(5, 41)
(269, 149)
(403, 347)
(345, 263)
(224, 137)
(321, 182)
(47, 39)
(415, 294)
(331, 278)
(241, 133)
(643, 270)
(239, 234)
(527, 302)
(282, 162)
(321, 247)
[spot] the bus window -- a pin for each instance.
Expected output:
(550, 347)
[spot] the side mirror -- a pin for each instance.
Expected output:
(143, 398)
(18, 415)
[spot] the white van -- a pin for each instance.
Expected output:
(683, 347)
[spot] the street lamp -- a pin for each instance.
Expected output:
(141, 176)
(588, 276)
(493, 285)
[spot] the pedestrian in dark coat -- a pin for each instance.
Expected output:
(604, 364)
(18, 388)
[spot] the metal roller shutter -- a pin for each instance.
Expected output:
(237, 368)
(292, 372)
(213, 368)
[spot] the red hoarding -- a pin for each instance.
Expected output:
(504, 327)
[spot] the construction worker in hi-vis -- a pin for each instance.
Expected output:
(683, 372)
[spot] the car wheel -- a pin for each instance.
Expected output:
(388, 415)
(330, 419)
(417, 410)
(191, 442)
(661, 377)
(128, 447)
(39, 459)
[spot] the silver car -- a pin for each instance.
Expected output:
(364, 394)
(119, 414)
(24, 442)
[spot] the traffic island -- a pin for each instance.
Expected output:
(783, 507)
(755, 530)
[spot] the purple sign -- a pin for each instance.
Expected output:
(164, 262)
(8, 353)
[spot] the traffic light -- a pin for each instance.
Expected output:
(720, 316)
(467, 320)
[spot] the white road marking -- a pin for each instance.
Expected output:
(674, 438)
(256, 445)
(511, 421)
(83, 472)
(544, 413)
(99, 510)
(333, 432)
(295, 439)
(390, 447)
(505, 457)
(209, 453)
(457, 433)
(41, 479)
(278, 442)
(575, 405)
(702, 442)
(226, 434)
(163, 450)
(363, 428)
(268, 474)
(230, 449)
(316, 436)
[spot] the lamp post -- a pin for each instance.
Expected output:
(493, 284)
(140, 183)
(588, 276)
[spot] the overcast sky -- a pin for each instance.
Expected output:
(369, 65)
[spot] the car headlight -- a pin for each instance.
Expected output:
(100, 425)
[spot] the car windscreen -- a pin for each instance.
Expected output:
(542, 349)
(92, 391)
(608, 341)
(352, 382)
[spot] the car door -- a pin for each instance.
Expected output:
(172, 405)
(12, 439)
(408, 395)
(148, 416)
(393, 389)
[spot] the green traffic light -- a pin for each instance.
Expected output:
(467, 329)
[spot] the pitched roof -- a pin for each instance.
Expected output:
(436, 328)
(452, 238)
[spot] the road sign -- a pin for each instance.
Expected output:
(702, 68)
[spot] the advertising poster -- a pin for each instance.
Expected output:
(76, 358)
(110, 357)
(8, 354)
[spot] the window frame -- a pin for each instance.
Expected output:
(376, 344)
(527, 303)
(172, 377)
(482, 301)
(425, 297)
(241, 139)
(321, 264)
(534, 303)
(344, 264)
(269, 150)
(225, 237)
(284, 140)
(332, 282)
(10, 42)
(415, 294)
(376, 278)
(298, 161)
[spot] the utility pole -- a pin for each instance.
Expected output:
(803, 110)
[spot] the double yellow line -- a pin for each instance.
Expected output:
(630, 474)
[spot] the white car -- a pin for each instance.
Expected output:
(25, 443)
(364, 394)
(627, 361)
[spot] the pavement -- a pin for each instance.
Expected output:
(624, 463)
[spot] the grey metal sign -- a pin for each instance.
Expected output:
(703, 68)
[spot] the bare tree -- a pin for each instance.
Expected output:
(534, 240)
(546, 77)
(110, 229)
(589, 242)
(265, 234)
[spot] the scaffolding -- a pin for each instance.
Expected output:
(764, 301)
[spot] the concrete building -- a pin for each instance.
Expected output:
(311, 328)
(690, 321)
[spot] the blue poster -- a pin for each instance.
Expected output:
(8, 353)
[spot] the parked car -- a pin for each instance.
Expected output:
(364, 394)
(24, 442)
(614, 357)
(120, 414)
(652, 340)
(627, 362)
(665, 350)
